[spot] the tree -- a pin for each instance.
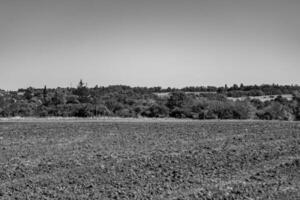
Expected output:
(82, 91)
(2, 102)
(235, 87)
(244, 110)
(156, 110)
(241, 86)
(226, 87)
(176, 99)
(72, 99)
(178, 113)
(80, 84)
(29, 93)
(276, 111)
(296, 96)
(59, 97)
(45, 92)
(84, 111)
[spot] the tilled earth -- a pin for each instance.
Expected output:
(150, 160)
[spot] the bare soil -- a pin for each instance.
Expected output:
(141, 160)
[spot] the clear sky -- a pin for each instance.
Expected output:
(164, 43)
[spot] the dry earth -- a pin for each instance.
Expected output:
(136, 159)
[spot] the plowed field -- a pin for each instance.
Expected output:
(150, 160)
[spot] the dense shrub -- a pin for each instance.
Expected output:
(243, 110)
(178, 113)
(156, 110)
(176, 100)
(190, 102)
(276, 111)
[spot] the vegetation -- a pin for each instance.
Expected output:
(124, 101)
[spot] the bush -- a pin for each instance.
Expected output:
(125, 112)
(101, 110)
(156, 110)
(72, 99)
(178, 113)
(243, 110)
(223, 110)
(275, 111)
(176, 100)
(84, 111)
(42, 111)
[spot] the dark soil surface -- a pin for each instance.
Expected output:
(150, 160)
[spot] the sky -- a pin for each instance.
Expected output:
(168, 43)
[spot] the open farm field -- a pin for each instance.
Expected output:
(263, 98)
(149, 160)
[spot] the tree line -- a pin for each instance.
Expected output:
(124, 101)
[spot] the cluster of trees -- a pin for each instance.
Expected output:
(241, 90)
(125, 101)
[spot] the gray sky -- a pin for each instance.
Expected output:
(148, 42)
